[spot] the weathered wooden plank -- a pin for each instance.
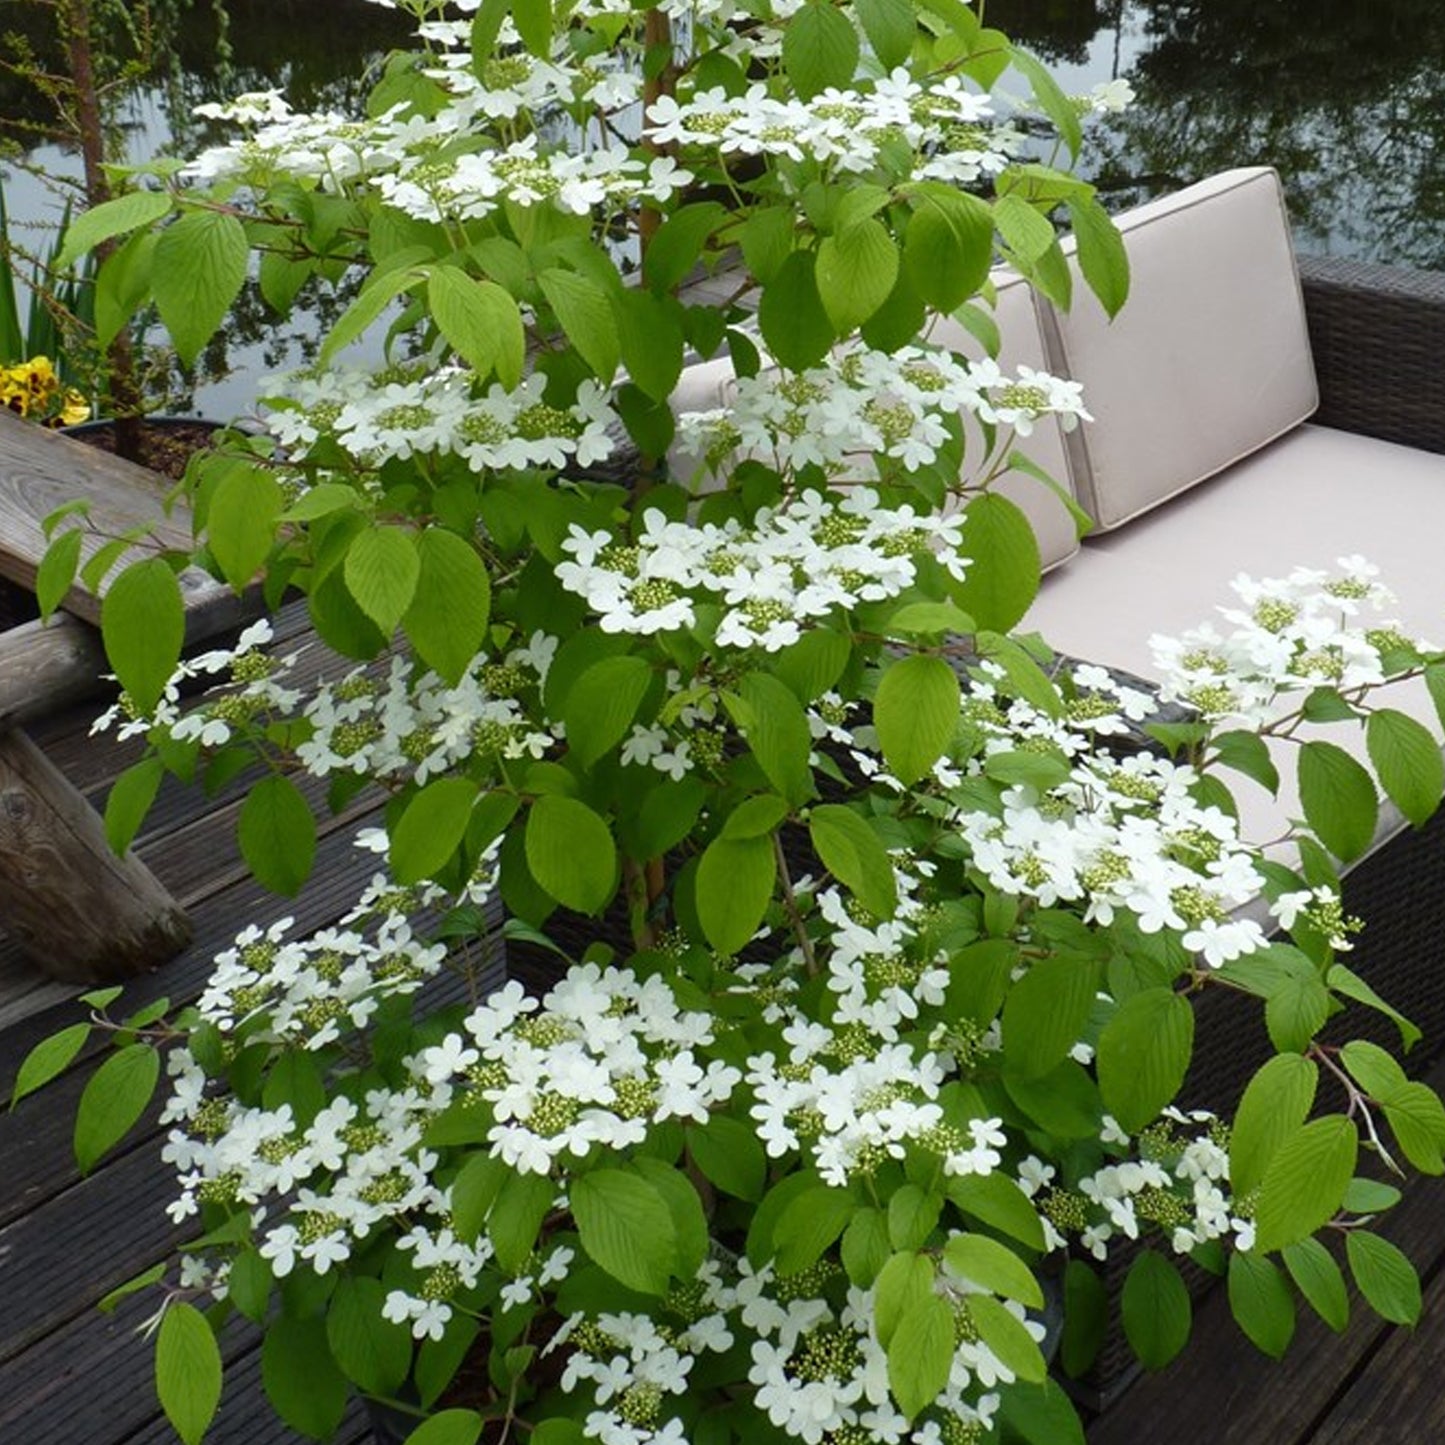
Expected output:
(40, 471)
(1399, 1394)
(79, 912)
(1222, 1391)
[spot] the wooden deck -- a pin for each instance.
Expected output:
(71, 1376)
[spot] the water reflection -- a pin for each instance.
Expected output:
(1347, 100)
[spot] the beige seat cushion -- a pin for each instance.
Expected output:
(1209, 358)
(1308, 499)
(709, 384)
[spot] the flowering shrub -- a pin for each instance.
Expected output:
(889, 921)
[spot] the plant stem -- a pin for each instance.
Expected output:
(656, 32)
(790, 906)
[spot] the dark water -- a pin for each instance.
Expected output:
(1346, 98)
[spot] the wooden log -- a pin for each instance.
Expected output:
(45, 666)
(77, 911)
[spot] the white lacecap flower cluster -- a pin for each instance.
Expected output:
(406, 412)
(1310, 629)
(865, 405)
(1175, 1178)
(805, 559)
(950, 129)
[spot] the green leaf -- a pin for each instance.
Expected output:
(626, 1228)
(480, 322)
(1102, 257)
(1041, 1415)
(241, 521)
(129, 800)
(912, 1216)
(1351, 985)
(1156, 1310)
(1373, 1069)
(920, 1355)
(948, 246)
(754, 817)
(855, 272)
(1297, 1005)
(585, 314)
(995, 1267)
(371, 1350)
(48, 1060)
(473, 1193)
(114, 1099)
(110, 219)
(916, 712)
(143, 624)
(1003, 574)
(571, 853)
(1320, 1281)
(820, 48)
(1408, 762)
(1004, 1333)
(1417, 1118)
(733, 889)
(108, 1303)
(689, 1223)
(902, 1285)
(431, 829)
(1385, 1277)
(516, 1218)
(188, 1371)
(852, 852)
(56, 574)
(995, 1200)
(865, 1248)
(730, 1155)
(277, 834)
(452, 1427)
(446, 619)
(372, 300)
(1144, 1053)
(650, 335)
(791, 316)
(1261, 1302)
(890, 26)
(1338, 798)
(199, 268)
(808, 1224)
(1369, 1196)
(1054, 103)
(601, 705)
(1086, 1318)
(382, 569)
(678, 243)
(301, 1379)
(533, 19)
(1248, 753)
(777, 732)
(1305, 1182)
(1044, 1015)
(1276, 1103)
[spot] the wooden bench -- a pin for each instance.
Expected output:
(77, 911)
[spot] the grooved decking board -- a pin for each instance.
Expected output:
(1222, 1391)
(58, 1261)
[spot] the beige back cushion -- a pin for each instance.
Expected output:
(1209, 358)
(709, 384)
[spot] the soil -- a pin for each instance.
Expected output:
(167, 444)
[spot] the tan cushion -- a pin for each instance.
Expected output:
(1310, 498)
(1209, 358)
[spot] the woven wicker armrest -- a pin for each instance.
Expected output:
(1377, 333)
